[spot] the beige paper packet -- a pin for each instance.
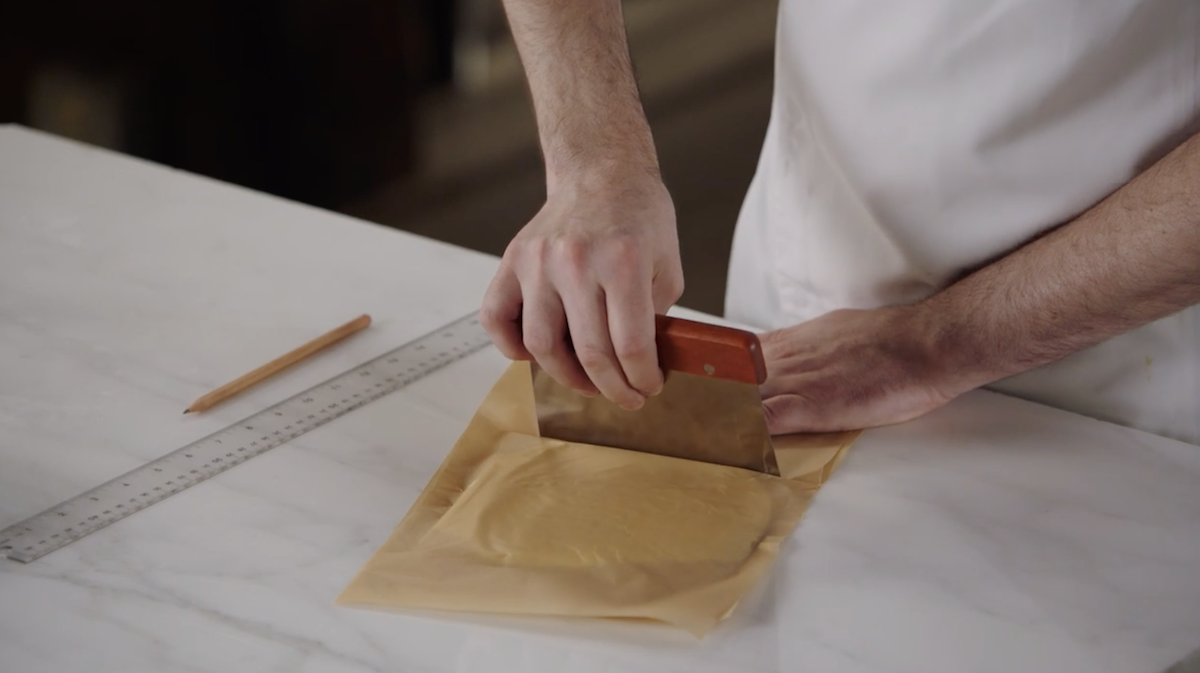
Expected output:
(514, 523)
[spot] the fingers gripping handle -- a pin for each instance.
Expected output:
(709, 350)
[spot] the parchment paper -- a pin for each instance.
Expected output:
(514, 523)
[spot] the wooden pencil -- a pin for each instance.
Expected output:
(277, 365)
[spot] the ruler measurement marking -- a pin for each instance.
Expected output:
(252, 436)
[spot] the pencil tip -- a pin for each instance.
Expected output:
(187, 411)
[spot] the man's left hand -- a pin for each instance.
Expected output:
(851, 369)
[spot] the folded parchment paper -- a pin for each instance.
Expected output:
(514, 523)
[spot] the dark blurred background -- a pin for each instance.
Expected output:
(410, 113)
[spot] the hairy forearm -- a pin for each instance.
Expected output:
(589, 114)
(1130, 260)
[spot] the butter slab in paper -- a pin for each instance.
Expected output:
(514, 523)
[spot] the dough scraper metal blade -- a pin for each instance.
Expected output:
(710, 408)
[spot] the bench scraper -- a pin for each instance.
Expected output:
(710, 408)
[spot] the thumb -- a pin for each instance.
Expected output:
(790, 413)
(666, 288)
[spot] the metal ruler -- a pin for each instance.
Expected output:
(203, 459)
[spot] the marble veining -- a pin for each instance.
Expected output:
(994, 535)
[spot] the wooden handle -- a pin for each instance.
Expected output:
(710, 350)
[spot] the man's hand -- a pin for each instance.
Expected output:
(1131, 259)
(578, 287)
(851, 369)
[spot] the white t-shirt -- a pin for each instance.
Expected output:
(911, 140)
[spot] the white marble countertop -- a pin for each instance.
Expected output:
(994, 535)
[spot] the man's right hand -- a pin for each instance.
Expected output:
(579, 286)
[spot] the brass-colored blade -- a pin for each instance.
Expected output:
(695, 417)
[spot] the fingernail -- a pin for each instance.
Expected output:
(634, 405)
(651, 392)
(589, 393)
